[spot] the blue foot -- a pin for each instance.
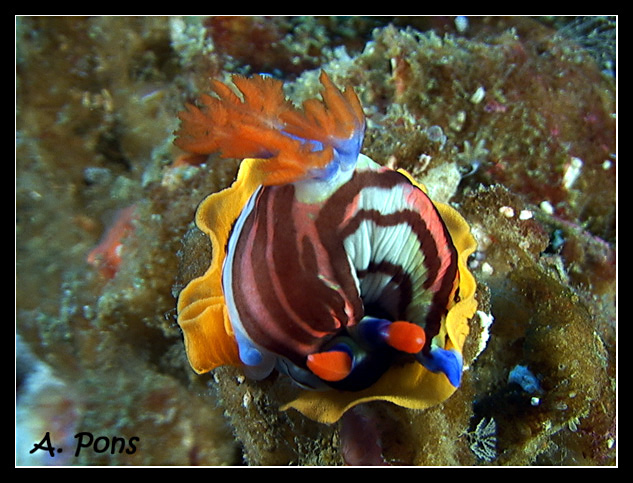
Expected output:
(449, 362)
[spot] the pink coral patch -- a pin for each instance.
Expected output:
(106, 256)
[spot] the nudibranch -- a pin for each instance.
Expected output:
(326, 266)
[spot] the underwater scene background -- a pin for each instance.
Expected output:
(510, 120)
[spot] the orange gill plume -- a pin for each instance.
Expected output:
(338, 117)
(262, 123)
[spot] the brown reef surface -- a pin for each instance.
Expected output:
(511, 119)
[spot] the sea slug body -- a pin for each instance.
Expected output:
(328, 267)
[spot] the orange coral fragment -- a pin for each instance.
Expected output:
(106, 256)
(189, 160)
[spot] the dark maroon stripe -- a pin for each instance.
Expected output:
(441, 298)
(294, 262)
(334, 208)
(308, 296)
(330, 218)
(241, 249)
(256, 325)
(335, 211)
(285, 266)
(418, 227)
(311, 299)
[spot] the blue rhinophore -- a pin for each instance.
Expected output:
(450, 362)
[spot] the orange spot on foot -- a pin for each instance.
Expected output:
(330, 366)
(406, 337)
